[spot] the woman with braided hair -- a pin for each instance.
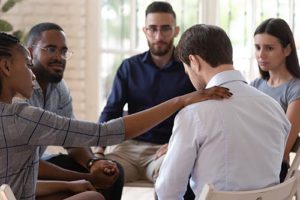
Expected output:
(16, 75)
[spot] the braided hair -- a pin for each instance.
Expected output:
(6, 43)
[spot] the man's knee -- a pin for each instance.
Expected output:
(153, 169)
(129, 170)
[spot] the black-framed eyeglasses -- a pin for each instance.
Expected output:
(53, 51)
(165, 30)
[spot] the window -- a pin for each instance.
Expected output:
(122, 22)
(239, 18)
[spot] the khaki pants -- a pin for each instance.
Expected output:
(137, 159)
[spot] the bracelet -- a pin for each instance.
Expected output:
(90, 162)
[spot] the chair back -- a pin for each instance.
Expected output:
(283, 191)
(6, 193)
(296, 161)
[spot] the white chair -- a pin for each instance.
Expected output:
(296, 161)
(283, 191)
(6, 193)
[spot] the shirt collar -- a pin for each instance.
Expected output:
(37, 86)
(147, 59)
(225, 77)
(146, 56)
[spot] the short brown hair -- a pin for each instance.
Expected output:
(209, 42)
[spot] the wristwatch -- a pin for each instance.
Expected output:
(91, 161)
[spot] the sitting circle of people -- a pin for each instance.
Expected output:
(197, 125)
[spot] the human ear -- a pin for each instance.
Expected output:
(287, 50)
(5, 65)
(195, 62)
(177, 29)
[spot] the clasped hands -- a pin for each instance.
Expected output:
(104, 173)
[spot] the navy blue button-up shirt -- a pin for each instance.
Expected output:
(141, 84)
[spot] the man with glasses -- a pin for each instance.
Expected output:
(143, 81)
(48, 46)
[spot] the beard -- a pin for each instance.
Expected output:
(42, 74)
(160, 51)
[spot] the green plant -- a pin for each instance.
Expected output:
(6, 26)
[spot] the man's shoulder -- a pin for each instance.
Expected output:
(61, 86)
(200, 107)
(133, 63)
(254, 97)
(62, 83)
(59, 92)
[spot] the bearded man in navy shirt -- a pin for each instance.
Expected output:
(143, 81)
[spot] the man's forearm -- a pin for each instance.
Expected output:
(49, 171)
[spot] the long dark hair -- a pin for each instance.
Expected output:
(280, 29)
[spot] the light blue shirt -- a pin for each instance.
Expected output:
(284, 94)
(234, 144)
(57, 99)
